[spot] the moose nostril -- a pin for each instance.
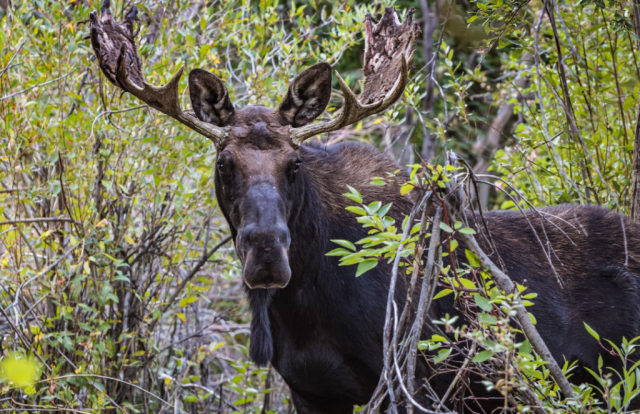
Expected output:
(281, 234)
(266, 238)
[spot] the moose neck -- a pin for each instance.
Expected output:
(318, 285)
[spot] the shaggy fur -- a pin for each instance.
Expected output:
(323, 331)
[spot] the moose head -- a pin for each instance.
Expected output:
(259, 165)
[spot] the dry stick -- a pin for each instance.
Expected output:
(507, 286)
(545, 128)
(25, 284)
(402, 387)
(194, 271)
(11, 60)
(109, 113)
(427, 283)
(35, 86)
(387, 373)
(110, 379)
(13, 190)
(458, 376)
(37, 220)
(416, 268)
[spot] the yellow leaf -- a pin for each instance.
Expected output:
(182, 317)
(20, 370)
(406, 189)
(46, 234)
(128, 239)
(102, 223)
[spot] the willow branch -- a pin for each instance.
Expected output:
(507, 286)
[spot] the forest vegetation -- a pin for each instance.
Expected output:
(120, 288)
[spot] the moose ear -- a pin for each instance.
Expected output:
(308, 95)
(209, 97)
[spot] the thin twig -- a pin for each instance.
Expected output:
(38, 220)
(36, 86)
(12, 57)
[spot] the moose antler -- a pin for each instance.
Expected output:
(388, 52)
(117, 53)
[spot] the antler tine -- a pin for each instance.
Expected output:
(388, 52)
(166, 99)
(118, 58)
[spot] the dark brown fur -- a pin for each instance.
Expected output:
(330, 322)
(322, 328)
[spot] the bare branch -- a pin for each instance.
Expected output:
(36, 86)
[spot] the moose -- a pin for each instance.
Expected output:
(319, 326)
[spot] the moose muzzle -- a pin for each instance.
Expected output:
(263, 242)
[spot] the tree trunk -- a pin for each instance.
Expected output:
(430, 22)
(485, 147)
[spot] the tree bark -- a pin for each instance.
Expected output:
(485, 147)
(430, 22)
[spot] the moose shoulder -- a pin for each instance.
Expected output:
(320, 327)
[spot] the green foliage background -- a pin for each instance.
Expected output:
(108, 206)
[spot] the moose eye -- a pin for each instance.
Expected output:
(296, 166)
(222, 166)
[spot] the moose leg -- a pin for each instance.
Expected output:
(304, 406)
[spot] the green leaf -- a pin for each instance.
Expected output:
(121, 278)
(488, 319)
(357, 210)
(345, 243)
(525, 347)
(353, 197)
(184, 302)
(467, 230)
(482, 302)
(365, 266)
(338, 252)
(379, 181)
(473, 260)
(439, 338)
(483, 356)
(469, 284)
(355, 193)
(384, 210)
(373, 207)
(442, 293)
(442, 355)
(446, 228)
(592, 332)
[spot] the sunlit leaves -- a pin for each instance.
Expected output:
(20, 371)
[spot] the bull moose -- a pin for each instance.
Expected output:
(318, 325)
